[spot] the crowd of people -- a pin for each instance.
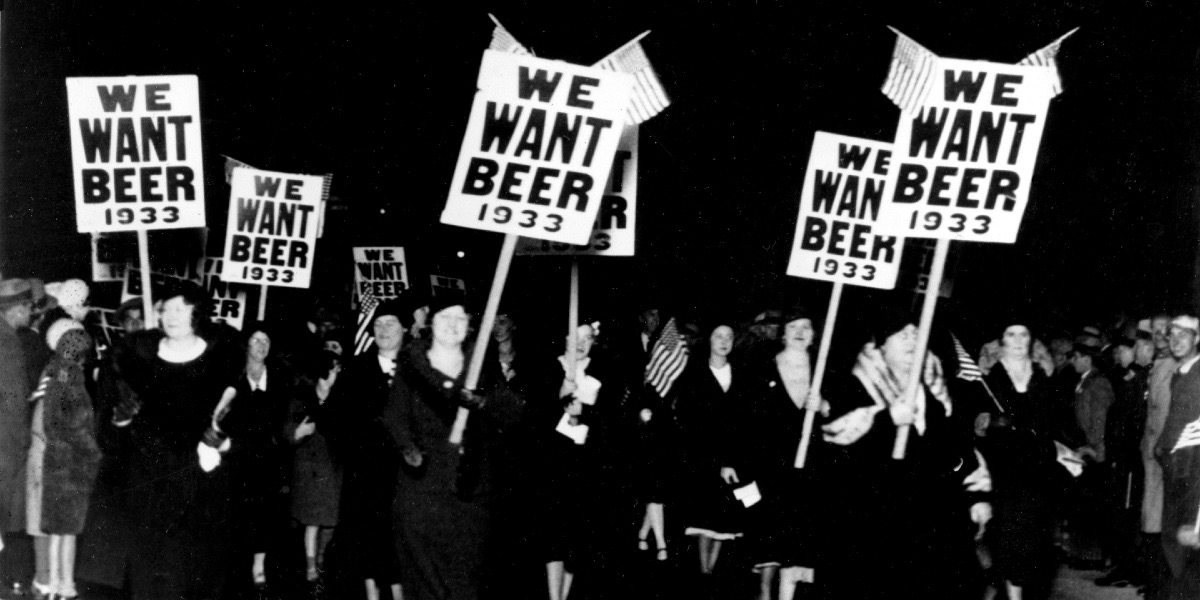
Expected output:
(191, 460)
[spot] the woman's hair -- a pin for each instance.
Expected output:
(319, 365)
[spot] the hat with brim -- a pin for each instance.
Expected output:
(14, 292)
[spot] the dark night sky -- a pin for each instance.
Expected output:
(380, 96)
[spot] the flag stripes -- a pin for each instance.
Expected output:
(968, 369)
(911, 75)
(1046, 57)
(667, 359)
(366, 314)
(648, 97)
(504, 41)
(1190, 436)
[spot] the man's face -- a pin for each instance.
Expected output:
(1183, 342)
(649, 319)
(1160, 328)
(1143, 352)
(1081, 362)
(389, 333)
(133, 320)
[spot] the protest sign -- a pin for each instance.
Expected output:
(169, 278)
(539, 144)
(272, 230)
(228, 300)
(836, 238)
(136, 152)
(380, 269)
(108, 261)
(613, 234)
(964, 161)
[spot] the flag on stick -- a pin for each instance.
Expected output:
(968, 369)
(504, 41)
(911, 75)
(366, 314)
(1190, 436)
(667, 359)
(1046, 58)
(230, 165)
(648, 97)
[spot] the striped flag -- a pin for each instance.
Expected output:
(667, 359)
(968, 369)
(504, 41)
(648, 97)
(1190, 436)
(366, 313)
(230, 165)
(911, 75)
(1046, 58)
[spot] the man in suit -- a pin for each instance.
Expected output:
(1178, 450)
(1093, 397)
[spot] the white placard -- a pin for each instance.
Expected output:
(271, 235)
(539, 145)
(136, 152)
(613, 233)
(835, 240)
(963, 165)
(381, 269)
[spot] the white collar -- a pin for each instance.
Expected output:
(1187, 366)
(260, 385)
(387, 365)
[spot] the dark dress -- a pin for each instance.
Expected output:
(316, 476)
(787, 527)
(182, 542)
(572, 489)
(444, 510)
(14, 429)
(709, 429)
(258, 458)
(351, 418)
(65, 457)
(902, 527)
(1026, 481)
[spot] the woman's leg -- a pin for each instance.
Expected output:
(397, 593)
(645, 530)
(41, 557)
(766, 578)
(712, 555)
(655, 511)
(788, 577)
(310, 551)
(372, 589)
(324, 534)
(67, 566)
(705, 544)
(1014, 591)
(260, 568)
(555, 576)
(56, 563)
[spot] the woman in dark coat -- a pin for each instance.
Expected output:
(446, 495)
(573, 424)
(64, 457)
(1021, 456)
(706, 410)
(257, 460)
(316, 476)
(784, 529)
(903, 526)
(181, 382)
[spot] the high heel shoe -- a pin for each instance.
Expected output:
(662, 553)
(643, 544)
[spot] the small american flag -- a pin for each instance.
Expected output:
(1190, 436)
(1046, 58)
(968, 369)
(911, 75)
(648, 97)
(230, 165)
(366, 312)
(667, 359)
(504, 41)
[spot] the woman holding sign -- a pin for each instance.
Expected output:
(179, 382)
(573, 428)
(783, 528)
(447, 493)
(904, 520)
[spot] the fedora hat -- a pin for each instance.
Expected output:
(15, 291)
